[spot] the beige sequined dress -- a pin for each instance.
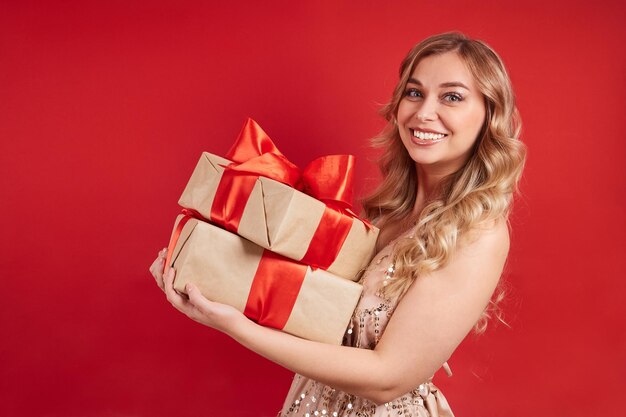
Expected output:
(309, 398)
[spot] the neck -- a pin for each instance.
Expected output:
(427, 181)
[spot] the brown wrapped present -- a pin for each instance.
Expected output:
(240, 196)
(268, 288)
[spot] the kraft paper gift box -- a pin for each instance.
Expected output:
(268, 288)
(241, 198)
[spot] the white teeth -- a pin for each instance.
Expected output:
(427, 136)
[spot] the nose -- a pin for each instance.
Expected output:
(427, 111)
(424, 117)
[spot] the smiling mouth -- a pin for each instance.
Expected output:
(427, 135)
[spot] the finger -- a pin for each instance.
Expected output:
(172, 296)
(196, 298)
(156, 269)
(163, 253)
(158, 262)
(159, 275)
(168, 278)
(160, 267)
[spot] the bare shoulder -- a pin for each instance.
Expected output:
(490, 241)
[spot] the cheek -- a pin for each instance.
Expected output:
(404, 111)
(471, 124)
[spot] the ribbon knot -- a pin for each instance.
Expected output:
(327, 178)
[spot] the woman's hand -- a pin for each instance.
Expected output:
(194, 305)
(156, 269)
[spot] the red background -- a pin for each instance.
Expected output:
(106, 106)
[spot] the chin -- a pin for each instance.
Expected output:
(421, 159)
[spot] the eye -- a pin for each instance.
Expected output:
(453, 97)
(412, 93)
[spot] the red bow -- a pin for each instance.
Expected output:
(328, 178)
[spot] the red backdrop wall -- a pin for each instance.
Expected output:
(106, 106)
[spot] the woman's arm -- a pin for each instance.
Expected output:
(430, 321)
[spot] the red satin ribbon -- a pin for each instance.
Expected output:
(174, 239)
(328, 179)
(274, 290)
(229, 202)
(331, 233)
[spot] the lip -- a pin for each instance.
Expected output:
(425, 142)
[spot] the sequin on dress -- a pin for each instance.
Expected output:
(309, 398)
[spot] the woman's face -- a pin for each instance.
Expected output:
(441, 113)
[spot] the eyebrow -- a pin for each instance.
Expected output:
(447, 84)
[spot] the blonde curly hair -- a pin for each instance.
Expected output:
(477, 194)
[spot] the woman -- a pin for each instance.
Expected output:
(450, 165)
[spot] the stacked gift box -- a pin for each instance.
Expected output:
(281, 245)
